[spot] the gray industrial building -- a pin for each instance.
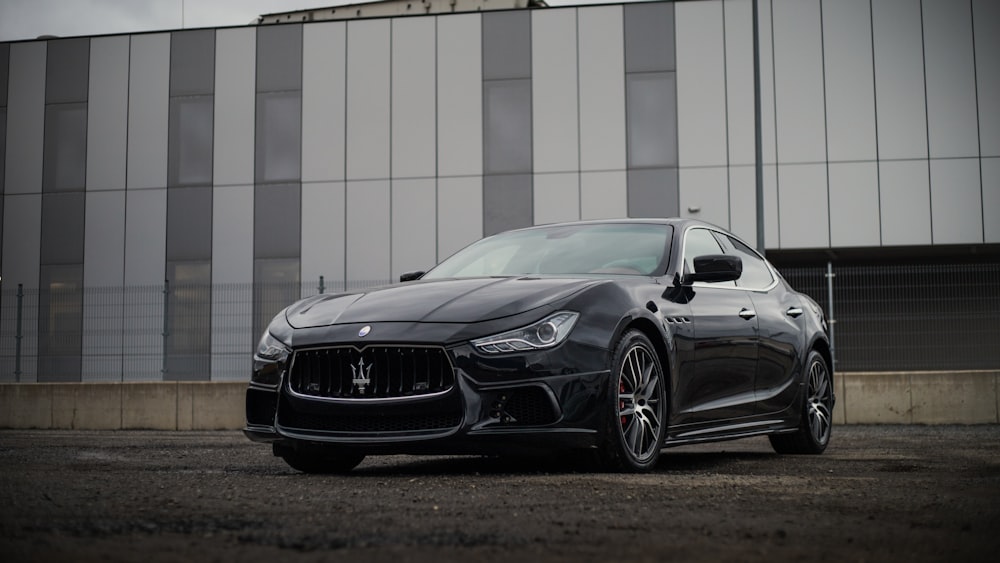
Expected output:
(248, 166)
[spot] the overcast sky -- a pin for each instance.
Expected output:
(27, 19)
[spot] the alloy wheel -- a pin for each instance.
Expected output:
(639, 409)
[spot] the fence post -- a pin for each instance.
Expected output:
(17, 334)
(321, 288)
(166, 326)
(831, 322)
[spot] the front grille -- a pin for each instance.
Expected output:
(375, 372)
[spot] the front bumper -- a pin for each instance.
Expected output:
(481, 414)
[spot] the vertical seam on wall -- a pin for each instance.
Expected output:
(979, 138)
(927, 125)
(677, 133)
(392, 26)
(579, 138)
(482, 119)
(625, 74)
(302, 73)
(437, 148)
(128, 109)
(774, 102)
(531, 118)
(878, 166)
(826, 127)
(347, 77)
(211, 214)
(725, 96)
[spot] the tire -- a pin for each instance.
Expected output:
(636, 407)
(816, 424)
(319, 459)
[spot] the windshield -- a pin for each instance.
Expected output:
(600, 248)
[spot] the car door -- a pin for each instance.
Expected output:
(780, 332)
(719, 382)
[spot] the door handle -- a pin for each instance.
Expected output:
(747, 313)
(794, 312)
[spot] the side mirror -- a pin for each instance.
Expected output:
(411, 276)
(716, 268)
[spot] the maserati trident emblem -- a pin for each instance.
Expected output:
(362, 375)
(364, 331)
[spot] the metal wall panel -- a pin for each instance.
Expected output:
(555, 91)
(324, 94)
(798, 79)
(602, 88)
(104, 239)
(951, 79)
(649, 43)
(279, 58)
(232, 274)
(103, 273)
(804, 209)
(738, 15)
(956, 201)
(414, 230)
(701, 85)
(368, 103)
(459, 214)
(704, 193)
(22, 230)
(743, 203)
(507, 202)
(414, 115)
(107, 113)
(850, 80)
(603, 195)
(556, 198)
(368, 232)
(652, 119)
(506, 45)
(235, 64)
(854, 204)
(277, 220)
(906, 202)
(459, 95)
(323, 233)
(652, 192)
(986, 22)
(25, 119)
(507, 126)
(991, 199)
(148, 110)
(232, 234)
(899, 79)
(772, 232)
(145, 237)
(145, 244)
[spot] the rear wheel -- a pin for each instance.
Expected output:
(319, 459)
(816, 425)
(637, 406)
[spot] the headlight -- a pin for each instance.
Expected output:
(272, 349)
(546, 333)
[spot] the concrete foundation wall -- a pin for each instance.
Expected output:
(968, 397)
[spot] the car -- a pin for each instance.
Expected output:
(613, 339)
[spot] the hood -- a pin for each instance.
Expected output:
(435, 301)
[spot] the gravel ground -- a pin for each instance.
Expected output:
(879, 493)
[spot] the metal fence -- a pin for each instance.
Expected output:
(909, 317)
(884, 318)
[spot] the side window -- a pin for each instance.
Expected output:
(756, 274)
(699, 242)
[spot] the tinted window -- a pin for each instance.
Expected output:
(756, 274)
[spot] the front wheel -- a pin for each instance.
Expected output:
(813, 433)
(637, 409)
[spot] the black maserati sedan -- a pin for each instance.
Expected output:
(618, 338)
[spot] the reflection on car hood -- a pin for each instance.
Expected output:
(437, 301)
